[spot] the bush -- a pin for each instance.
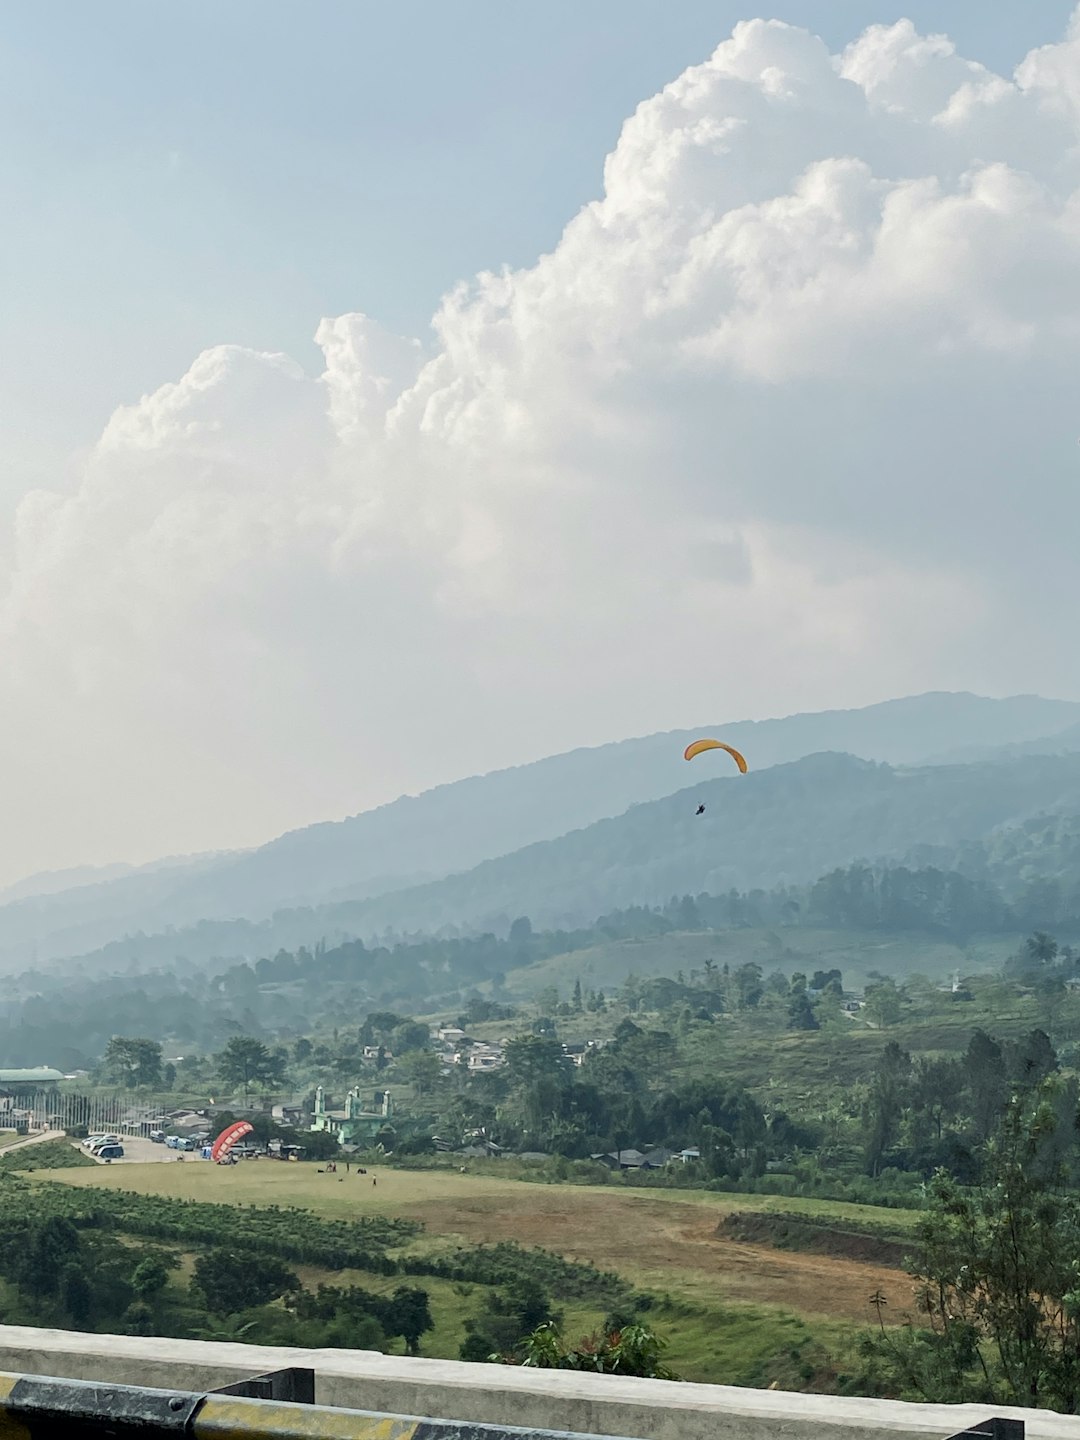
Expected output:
(231, 1282)
(634, 1350)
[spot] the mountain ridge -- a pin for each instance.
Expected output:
(419, 840)
(784, 826)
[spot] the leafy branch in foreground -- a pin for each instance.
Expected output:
(633, 1350)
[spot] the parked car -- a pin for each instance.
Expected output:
(157, 1136)
(110, 1152)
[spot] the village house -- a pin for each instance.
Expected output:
(635, 1159)
(484, 1057)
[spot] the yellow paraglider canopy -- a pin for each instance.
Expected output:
(698, 747)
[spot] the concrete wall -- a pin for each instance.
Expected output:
(496, 1394)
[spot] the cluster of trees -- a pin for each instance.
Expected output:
(245, 1064)
(899, 898)
(199, 1009)
(938, 1111)
(995, 1268)
(626, 1095)
(60, 1264)
(59, 1272)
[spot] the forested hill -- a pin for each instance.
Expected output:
(1015, 823)
(454, 827)
(785, 825)
(458, 826)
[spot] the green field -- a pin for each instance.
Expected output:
(855, 952)
(735, 1312)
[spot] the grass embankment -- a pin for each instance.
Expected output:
(48, 1155)
(735, 1310)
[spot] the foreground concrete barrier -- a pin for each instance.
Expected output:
(36, 1407)
(497, 1395)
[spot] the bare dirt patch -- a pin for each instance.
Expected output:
(672, 1247)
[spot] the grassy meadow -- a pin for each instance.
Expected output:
(732, 1312)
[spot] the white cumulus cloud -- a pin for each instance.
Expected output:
(786, 419)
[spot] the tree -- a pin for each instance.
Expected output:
(885, 1104)
(230, 1282)
(984, 1071)
(801, 1013)
(521, 932)
(131, 1063)
(748, 986)
(534, 1057)
(510, 1315)
(883, 1002)
(247, 1062)
(77, 1296)
(421, 1068)
(409, 1035)
(379, 1026)
(151, 1275)
(936, 1090)
(1041, 949)
(1032, 1058)
(823, 980)
(408, 1315)
(997, 1271)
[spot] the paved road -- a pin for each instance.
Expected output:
(138, 1151)
(32, 1140)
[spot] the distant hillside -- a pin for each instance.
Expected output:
(785, 825)
(1010, 822)
(459, 826)
(1061, 742)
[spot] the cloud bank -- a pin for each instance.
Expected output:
(787, 419)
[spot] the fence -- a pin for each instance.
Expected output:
(52, 1110)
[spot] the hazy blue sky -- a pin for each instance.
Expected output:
(767, 405)
(181, 175)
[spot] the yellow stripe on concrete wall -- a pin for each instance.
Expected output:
(226, 1417)
(10, 1428)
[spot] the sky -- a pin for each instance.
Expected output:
(395, 392)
